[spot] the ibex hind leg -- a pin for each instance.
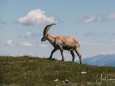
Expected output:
(79, 55)
(73, 55)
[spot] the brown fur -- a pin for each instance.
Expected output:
(62, 43)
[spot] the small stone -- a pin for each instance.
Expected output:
(66, 81)
(83, 72)
(56, 80)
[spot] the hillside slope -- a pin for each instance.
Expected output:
(34, 71)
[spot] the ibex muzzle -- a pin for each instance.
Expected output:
(62, 43)
(43, 38)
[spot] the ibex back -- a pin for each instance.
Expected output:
(62, 43)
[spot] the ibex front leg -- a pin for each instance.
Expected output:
(61, 51)
(52, 53)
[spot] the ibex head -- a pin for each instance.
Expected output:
(45, 32)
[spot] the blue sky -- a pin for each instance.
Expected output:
(92, 22)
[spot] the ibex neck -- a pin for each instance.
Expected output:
(51, 39)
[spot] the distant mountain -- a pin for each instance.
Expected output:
(112, 64)
(101, 60)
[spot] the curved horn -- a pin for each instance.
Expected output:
(46, 29)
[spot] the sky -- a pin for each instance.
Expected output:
(91, 22)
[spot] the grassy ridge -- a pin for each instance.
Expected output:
(33, 71)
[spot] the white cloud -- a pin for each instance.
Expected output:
(110, 43)
(26, 44)
(111, 16)
(28, 34)
(93, 43)
(35, 17)
(21, 43)
(113, 41)
(90, 33)
(10, 43)
(91, 19)
(2, 22)
(98, 18)
(44, 44)
(32, 34)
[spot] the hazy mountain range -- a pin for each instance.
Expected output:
(101, 60)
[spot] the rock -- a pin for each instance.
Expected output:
(83, 72)
(56, 80)
(66, 81)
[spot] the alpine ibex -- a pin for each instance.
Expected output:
(62, 43)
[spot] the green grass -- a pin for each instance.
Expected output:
(34, 71)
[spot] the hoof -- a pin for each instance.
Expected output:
(72, 60)
(49, 58)
(62, 60)
(80, 62)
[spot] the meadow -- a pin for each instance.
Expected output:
(35, 71)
